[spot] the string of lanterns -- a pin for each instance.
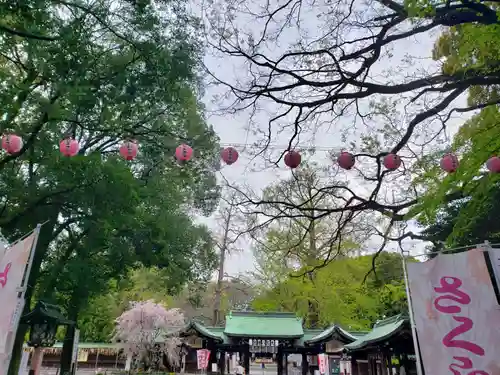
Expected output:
(12, 144)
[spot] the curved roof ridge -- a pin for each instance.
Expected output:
(380, 332)
(203, 330)
(327, 334)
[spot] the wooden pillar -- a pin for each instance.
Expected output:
(305, 364)
(247, 359)
(279, 361)
(211, 359)
(354, 366)
(222, 362)
(36, 361)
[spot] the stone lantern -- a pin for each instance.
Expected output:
(43, 320)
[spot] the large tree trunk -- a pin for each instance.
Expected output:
(223, 248)
(218, 291)
(312, 304)
(67, 350)
(74, 304)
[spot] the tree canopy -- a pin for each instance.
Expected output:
(103, 72)
(347, 70)
(340, 292)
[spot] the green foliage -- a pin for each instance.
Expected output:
(465, 48)
(96, 321)
(340, 293)
(105, 71)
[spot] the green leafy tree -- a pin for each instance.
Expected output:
(294, 242)
(110, 70)
(459, 210)
(340, 292)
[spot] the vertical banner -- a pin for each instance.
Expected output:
(15, 266)
(456, 314)
(12, 267)
(322, 363)
(202, 356)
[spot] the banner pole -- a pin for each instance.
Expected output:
(412, 319)
(32, 256)
(21, 302)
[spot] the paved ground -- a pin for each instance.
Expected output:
(255, 369)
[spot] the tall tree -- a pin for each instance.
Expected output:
(230, 229)
(471, 218)
(340, 293)
(112, 70)
(337, 74)
(302, 242)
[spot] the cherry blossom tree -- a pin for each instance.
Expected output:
(148, 330)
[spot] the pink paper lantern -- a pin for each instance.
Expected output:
(292, 159)
(493, 164)
(12, 143)
(129, 150)
(229, 155)
(183, 152)
(69, 147)
(346, 160)
(449, 163)
(392, 162)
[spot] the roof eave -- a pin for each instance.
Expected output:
(366, 343)
(325, 337)
(202, 331)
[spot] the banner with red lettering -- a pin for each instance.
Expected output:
(322, 363)
(456, 314)
(202, 356)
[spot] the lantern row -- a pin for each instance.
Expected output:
(12, 144)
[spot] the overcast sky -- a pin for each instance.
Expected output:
(233, 129)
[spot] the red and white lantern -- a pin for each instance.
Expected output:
(346, 160)
(449, 163)
(129, 149)
(493, 164)
(183, 152)
(392, 162)
(69, 147)
(292, 159)
(229, 155)
(12, 143)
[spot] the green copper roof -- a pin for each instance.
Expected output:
(308, 334)
(215, 333)
(332, 332)
(263, 324)
(381, 331)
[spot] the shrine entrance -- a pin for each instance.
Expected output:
(266, 343)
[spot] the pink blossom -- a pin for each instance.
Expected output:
(148, 329)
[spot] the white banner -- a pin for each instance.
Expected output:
(322, 363)
(456, 314)
(202, 356)
(12, 268)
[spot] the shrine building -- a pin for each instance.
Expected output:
(275, 340)
(264, 337)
